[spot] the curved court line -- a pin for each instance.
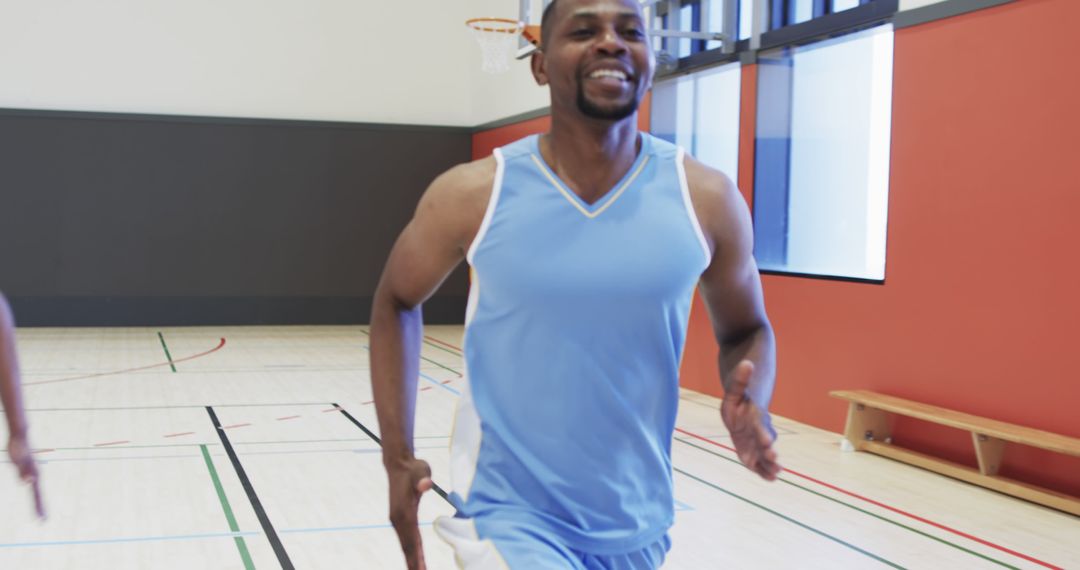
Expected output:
(889, 508)
(126, 371)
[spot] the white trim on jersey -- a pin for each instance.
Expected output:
(680, 159)
(496, 189)
(470, 552)
(465, 435)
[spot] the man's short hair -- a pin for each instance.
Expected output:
(546, 23)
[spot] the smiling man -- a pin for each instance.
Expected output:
(586, 244)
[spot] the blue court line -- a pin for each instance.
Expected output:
(342, 528)
(439, 384)
(198, 536)
(129, 539)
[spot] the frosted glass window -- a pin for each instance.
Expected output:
(822, 173)
(700, 112)
(746, 19)
(841, 5)
(802, 10)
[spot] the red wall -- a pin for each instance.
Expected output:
(980, 307)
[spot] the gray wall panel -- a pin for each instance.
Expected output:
(100, 212)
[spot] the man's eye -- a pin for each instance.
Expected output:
(635, 33)
(581, 33)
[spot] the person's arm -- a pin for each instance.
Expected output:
(731, 289)
(11, 396)
(430, 247)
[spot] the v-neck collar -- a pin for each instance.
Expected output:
(596, 208)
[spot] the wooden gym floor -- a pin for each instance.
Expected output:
(137, 473)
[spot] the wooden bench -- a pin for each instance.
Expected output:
(869, 428)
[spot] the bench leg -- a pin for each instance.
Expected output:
(989, 450)
(867, 424)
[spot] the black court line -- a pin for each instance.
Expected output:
(376, 439)
(268, 528)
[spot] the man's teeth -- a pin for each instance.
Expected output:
(608, 73)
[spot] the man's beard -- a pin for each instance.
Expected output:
(609, 114)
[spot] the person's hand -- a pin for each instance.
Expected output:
(752, 440)
(408, 481)
(21, 457)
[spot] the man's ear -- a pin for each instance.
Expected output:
(539, 67)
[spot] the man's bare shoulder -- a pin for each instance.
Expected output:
(716, 198)
(454, 204)
(465, 185)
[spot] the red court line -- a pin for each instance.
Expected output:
(179, 434)
(236, 426)
(111, 443)
(287, 418)
(890, 508)
(41, 451)
(330, 410)
(433, 339)
(116, 372)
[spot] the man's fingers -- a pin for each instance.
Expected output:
(411, 545)
(740, 380)
(768, 468)
(27, 469)
(419, 470)
(39, 505)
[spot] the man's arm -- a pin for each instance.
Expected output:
(11, 398)
(731, 289)
(430, 247)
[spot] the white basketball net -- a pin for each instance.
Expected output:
(498, 41)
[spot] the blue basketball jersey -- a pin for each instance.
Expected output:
(575, 329)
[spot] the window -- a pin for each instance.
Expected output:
(790, 12)
(822, 160)
(700, 112)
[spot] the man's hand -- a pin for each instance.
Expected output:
(19, 451)
(753, 442)
(408, 481)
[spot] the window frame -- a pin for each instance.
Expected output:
(868, 14)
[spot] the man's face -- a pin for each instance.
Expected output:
(597, 54)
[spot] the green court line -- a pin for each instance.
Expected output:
(422, 357)
(167, 355)
(443, 366)
(240, 544)
(789, 519)
(863, 511)
(440, 347)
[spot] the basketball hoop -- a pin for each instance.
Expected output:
(498, 39)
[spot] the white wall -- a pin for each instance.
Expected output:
(346, 60)
(496, 97)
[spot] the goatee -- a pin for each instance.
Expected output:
(608, 114)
